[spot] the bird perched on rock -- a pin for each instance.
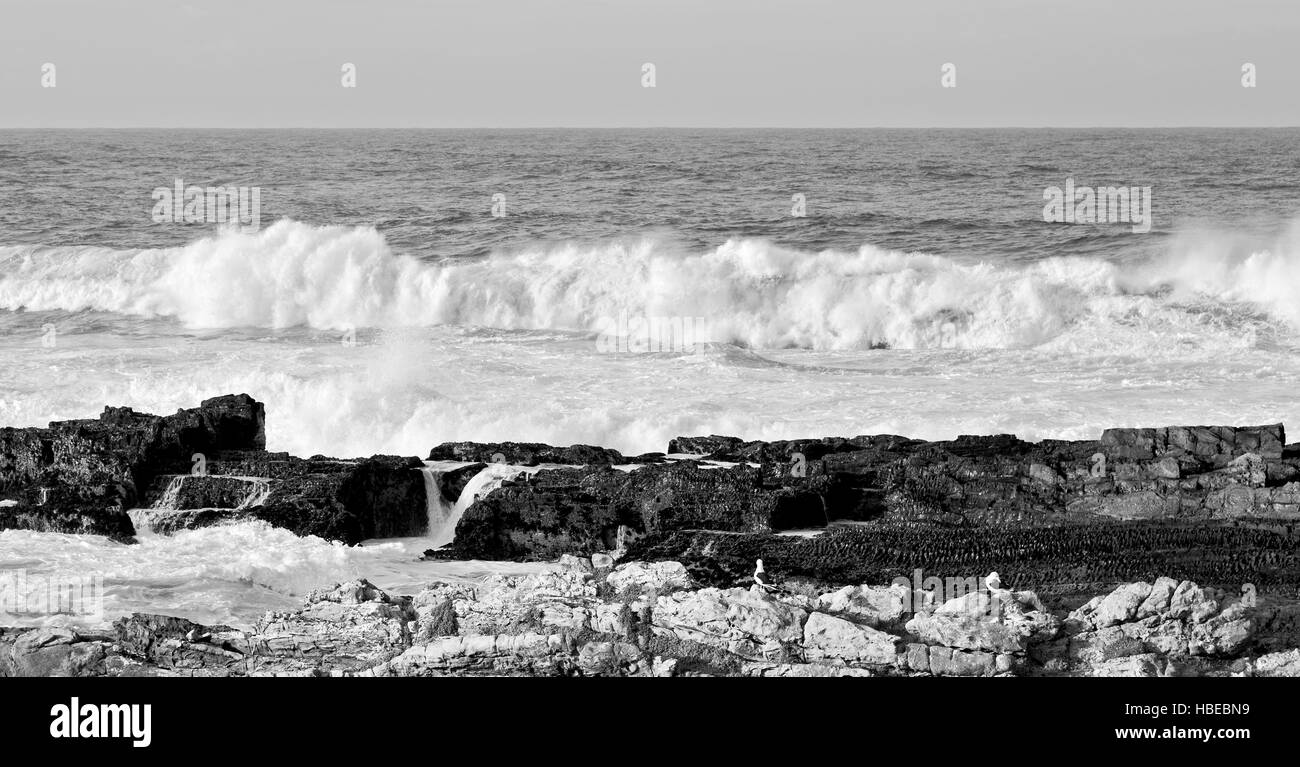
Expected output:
(761, 577)
(997, 595)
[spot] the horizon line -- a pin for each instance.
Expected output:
(649, 127)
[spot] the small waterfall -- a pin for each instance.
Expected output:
(171, 497)
(255, 491)
(142, 521)
(443, 516)
(260, 490)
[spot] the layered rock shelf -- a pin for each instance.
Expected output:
(84, 476)
(592, 617)
(1152, 551)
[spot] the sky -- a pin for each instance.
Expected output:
(578, 63)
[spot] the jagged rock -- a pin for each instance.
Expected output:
(1210, 445)
(1286, 663)
(917, 657)
(1096, 647)
(82, 476)
(870, 605)
(349, 501)
(747, 623)
(945, 661)
(580, 510)
(530, 653)
(801, 670)
(1192, 600)
(344, 500)
(556, 598)
(354, 626)
(607, 658)
(997, 622)
(565, 621)
(702, 446)
(976, 663)
(1144, 665)
(524, 453)
(1187, 622)
(642, 576)
(826, 637)
(207, 465)
(663, 667)
(1157, 602)
(50, 652)
(350, 593)
(436, 610)
(1121, 605)
(940, 660)
(968, 632)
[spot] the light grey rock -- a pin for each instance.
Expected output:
(801, 670)
(644, 576)
(872, 605)
(827, 637)
(1157, 602)
(1145, 665)
(748, 623)
(1285, 663)
(1121, 605)
(918, 657)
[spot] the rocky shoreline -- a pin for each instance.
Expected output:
(590, 617)
(1166, 551)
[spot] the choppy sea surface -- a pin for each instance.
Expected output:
(922, 294)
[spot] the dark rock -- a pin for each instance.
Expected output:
(580, 510)
(1210, 446)
(209, 465)
(82, 476)
(542, 516)
(386, 494)
(207, 491)
(702, 446)
(142, 635)
(525, 453)
(348, 501)
(1062, 561)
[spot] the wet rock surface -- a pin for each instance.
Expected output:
(208, 465)
(82, 476)
(199, 467)
(524, 453)
(1168, 551)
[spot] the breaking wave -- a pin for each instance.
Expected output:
(747, 292)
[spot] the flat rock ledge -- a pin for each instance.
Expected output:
(127, 472)
(592, 617)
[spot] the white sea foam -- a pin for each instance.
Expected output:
(750, 292)
(225, 574)
(1062, 347)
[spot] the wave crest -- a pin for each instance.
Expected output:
(747, 292)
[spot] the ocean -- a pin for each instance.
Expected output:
(407, 288)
